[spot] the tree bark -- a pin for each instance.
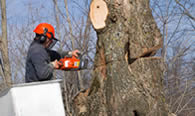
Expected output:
(4, 44)
(127, 80)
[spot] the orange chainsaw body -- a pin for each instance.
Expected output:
(68, 63)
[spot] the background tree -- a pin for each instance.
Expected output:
(177, 27)
(5, 64)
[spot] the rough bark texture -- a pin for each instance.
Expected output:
(127, 80)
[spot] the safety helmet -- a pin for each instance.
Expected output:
(46, 30)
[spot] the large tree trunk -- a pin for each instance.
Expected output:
(4, 45)
(127, 80)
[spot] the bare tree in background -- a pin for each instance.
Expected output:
(176, 22)
(77, 36)
(80, 40)
(4, 46)
(184, 9)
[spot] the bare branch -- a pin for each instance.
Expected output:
(186, 12)
(69, 24)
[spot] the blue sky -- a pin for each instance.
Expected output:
(18, 10)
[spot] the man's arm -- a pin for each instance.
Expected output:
(69, 53)
(57, 55)
(44, 69)
(54, 55)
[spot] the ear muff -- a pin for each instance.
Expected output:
(44, 37)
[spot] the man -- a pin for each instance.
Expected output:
(41, 60)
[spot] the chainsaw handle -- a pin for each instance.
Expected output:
(78, 54)
(60, 64)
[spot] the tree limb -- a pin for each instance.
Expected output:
(185, 10)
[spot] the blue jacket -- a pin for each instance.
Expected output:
(38, 66)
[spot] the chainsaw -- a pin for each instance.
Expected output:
(73, 63)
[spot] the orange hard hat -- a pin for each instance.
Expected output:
(40, 29)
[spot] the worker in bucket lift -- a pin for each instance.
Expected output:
(41, 60)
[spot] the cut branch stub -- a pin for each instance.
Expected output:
(98, 13)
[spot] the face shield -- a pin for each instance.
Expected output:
(53, 42)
